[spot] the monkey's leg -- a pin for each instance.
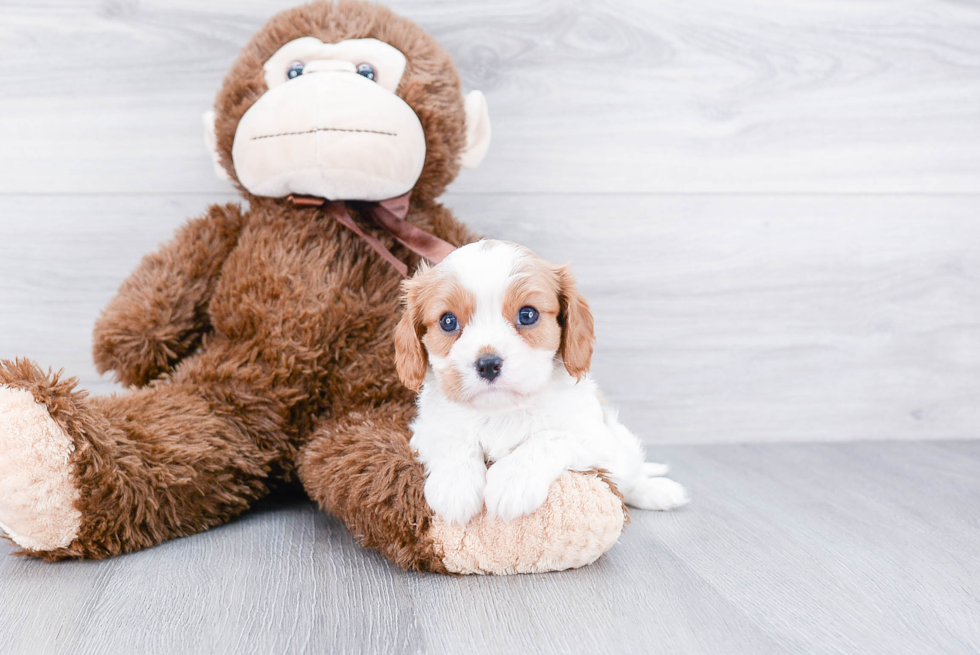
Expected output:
(94, 477)
(360, 468)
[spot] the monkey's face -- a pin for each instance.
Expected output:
(345, 101)
(330, 124)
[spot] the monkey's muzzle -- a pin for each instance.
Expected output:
(333, 134)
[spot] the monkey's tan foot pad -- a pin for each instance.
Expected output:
(37, 489)
(581, 519)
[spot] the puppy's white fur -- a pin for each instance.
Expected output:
(535, 420)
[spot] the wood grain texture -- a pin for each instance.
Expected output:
(832, 548)
(719, 318)
(771, 318)
(618, 96)
(722, 317)
(773, 211)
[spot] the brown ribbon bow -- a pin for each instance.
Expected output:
(390, 216)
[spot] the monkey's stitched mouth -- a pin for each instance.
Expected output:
(322, 129)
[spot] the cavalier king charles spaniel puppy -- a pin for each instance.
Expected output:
(498, 344)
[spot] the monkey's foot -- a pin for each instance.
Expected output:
(37, 488)
(581, 519)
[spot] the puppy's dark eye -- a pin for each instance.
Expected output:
(295, 69)
(527, 316)
(367, 70)
(448, 322)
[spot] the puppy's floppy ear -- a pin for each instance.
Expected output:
(577, 332)
(410, 359)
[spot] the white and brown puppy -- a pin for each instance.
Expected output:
(499, 343)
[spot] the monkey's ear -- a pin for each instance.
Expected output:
(211, 143)
(477, 130)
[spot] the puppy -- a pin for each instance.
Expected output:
(499, 342)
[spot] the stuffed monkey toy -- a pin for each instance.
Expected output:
(256, 346)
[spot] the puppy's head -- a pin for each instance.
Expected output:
(492, 320)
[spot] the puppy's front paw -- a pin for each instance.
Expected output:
(657, 493)
(514, 489)
(455, 492)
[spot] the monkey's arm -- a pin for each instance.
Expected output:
(160, 312)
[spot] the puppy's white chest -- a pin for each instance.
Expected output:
(564, 412)
(501, 433)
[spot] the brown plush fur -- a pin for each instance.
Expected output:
(152, 465)
(298, 331)
(258, 345)
(258, 340)
(152, 323)
(368, 450)
(430, 84)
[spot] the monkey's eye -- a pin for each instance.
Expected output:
(527, 316)
(448, 322)
(295, 69)
(367, 70)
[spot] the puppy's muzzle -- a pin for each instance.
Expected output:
(489, 367)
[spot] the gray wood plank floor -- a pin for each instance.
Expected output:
(773, 210)
(807, 548)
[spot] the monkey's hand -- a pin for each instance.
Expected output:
(160, 312)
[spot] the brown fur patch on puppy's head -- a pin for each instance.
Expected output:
(410, 359)
(426, 298)
(577, 326)
(562, 323)
(430, 84)
(535, 284)
(566, 323)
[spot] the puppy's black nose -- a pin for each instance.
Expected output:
(488, 367)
